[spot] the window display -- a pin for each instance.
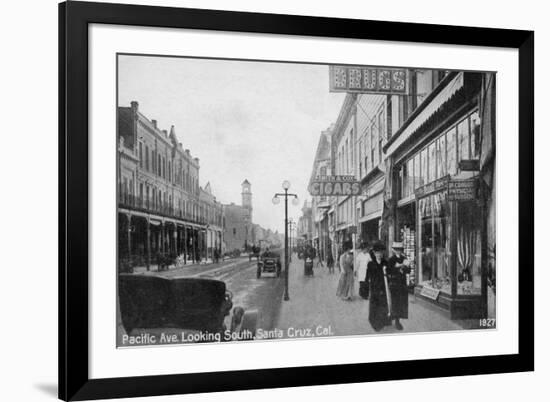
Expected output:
(451, 151)
(475, 135)
(463, 140)
(432, 165)
(468, 249)
(434, 247)
(441, 162)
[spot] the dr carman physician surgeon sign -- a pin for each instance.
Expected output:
(335, 185)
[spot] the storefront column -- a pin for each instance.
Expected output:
(454, 247)
(148, 244)
(484, 259)
(175, 239)
(129, 236)
(159, 238)
(185, 238)
(194, 245)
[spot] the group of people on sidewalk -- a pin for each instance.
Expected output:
(382, 281)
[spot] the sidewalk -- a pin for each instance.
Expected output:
(189, 264)
(313, 302)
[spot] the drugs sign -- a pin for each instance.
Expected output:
(379, 80)
(335, 186)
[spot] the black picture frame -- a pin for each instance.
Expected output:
(74, 18)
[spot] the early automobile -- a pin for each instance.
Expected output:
(155, 303)
(270, 261)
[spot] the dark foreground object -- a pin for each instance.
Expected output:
(155, 302)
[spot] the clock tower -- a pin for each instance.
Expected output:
(246, 195)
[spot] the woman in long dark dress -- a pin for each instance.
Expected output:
(378, 297)
(398, 268)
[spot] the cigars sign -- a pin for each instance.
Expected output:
(335, 186)
(379, 80)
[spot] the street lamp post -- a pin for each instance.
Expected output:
(276, 200)
(291, 226)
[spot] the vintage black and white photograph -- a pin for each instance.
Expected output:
(275, 200)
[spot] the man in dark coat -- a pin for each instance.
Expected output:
(377, 284)
(398, 268)
(309, 252)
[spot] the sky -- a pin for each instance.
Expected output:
(259, 121)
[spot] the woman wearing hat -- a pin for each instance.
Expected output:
(346, 282)
(398, 268)
(362, 260)
(379, 315)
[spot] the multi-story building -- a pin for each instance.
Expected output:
(158, 193)
(320, 205)
(304, 228)
(426, 166)
(441, 200)
(238, 229)
(211, 214)
(342, 215)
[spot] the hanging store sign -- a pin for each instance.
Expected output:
(335, 186)
(462, 190)
(373, 80)
(434, 186)
(469, 165)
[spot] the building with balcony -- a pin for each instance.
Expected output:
(159, 203)
(211, 214)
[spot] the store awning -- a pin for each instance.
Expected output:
(431, 108)
(154, 222)
(373, 207)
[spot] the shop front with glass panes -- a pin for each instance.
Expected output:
(447, 229)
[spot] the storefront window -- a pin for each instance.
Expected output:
(410, 177)
(418, 182)
(401, 184)
(424, 166)
(441, 265)
(475, 135)
(432, 165)
(463, 140)
(440, 151)
(451, 151)
(434, 247)
(468, 249)
(425, 244)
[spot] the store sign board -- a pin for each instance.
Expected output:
(434, 186)
(462, 190)
(429, 292)
(372, 80)
(335, 186)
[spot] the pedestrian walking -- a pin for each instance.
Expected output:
(318, 256)
(398, 268)
(216, 255)
(330, 261)
(362, 260)
(309, 256)
(379, 314)
(346, 283)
